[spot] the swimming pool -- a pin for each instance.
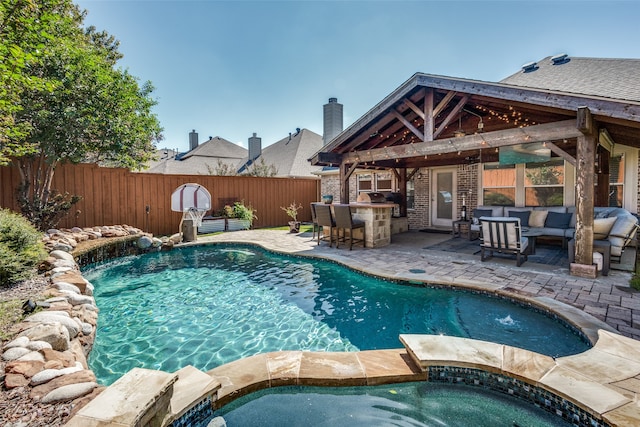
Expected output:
(209, 305)
(407, 404)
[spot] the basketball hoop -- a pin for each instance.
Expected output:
(193, 200)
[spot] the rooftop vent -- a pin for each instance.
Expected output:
(563, 58)
(529, 67)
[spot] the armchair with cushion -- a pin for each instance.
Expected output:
(502, 234)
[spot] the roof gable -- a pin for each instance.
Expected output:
(218, 147)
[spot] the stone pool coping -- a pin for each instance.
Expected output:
(603, 381)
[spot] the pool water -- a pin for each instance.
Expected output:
(209, 305)
(408, 404)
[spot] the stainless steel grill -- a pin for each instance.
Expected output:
(371, 197)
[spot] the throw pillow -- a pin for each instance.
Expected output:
(537, 218)
(557, 220)
(524, 217)
(477, 213)
(602, 227)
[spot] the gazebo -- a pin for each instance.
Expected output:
(432, 121)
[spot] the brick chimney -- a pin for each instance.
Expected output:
(193, 139)
(255, 147)
(332, 120)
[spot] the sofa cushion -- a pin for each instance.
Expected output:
(557, 220)
(602, 227)
(523, 215)
(537, 218)
(602, 212)
(477, 213)
(622, 227)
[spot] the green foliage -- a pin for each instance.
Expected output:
(240, 211)
(21, 248)
(222, 169)
(635, 282)
(261, 169)
(62, 99)
(292, 210)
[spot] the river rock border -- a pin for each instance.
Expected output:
(49, 352)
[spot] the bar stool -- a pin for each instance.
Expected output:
(325, 219)
(345, 221)
(314, 221)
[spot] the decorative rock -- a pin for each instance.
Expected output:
(56, 316)
(53, 333)
(144, 242)
(58, 254)
(64, 286)
(76, 299)
(18, 342)
(25, 368)
(49, 374)
(156, 242)
(89, 289)
(15, 353)
(32, 356)
(65, 357)
(90, 307)
(15, 380)
(69, 392)
(53, 364)
(77, 377)
(74, 278)
(66, 263)
(61, 269)
(76, 230)
(53, 231)
(55, 300)
(87, 329)
(38, 345)
(62, 247)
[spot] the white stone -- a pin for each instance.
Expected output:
(37, 345)
(62, 255)
(145, 242)
(18, 342)
(157, 242)
(87, 328)
(59, 247)
(32, 356)
(52, 316)
(69, 392)
(49, 374)
(64, 286)
(15, 353)
(52, 332)
(64, 269)
(56, 299)
(89, 288)
(91, 307)
(61, 263)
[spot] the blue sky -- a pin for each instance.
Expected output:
(231, 68)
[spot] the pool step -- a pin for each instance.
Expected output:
(144, 397)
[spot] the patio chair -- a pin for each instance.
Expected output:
(314, 221)
(344, 222)
(502, 234)
(325, 219)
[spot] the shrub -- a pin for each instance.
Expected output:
(240, 211)
(21, 248)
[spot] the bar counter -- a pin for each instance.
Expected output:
(377, 222)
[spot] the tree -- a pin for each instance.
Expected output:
(261, 169)
(90, 110)
(222, 169)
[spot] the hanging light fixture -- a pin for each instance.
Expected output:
(459, 132)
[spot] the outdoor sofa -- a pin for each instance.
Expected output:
(617, 225)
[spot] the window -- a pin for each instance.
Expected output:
(499, 185)
(364, 183)
(616, 181)
(383, 182)
(411, 193)
(544, 183)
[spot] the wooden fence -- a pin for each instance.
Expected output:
(118, 196)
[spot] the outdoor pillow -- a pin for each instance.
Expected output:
(536, 219)
(557, 220)
(602, 213)
(477, 213)
(524, 217)
(602, 227)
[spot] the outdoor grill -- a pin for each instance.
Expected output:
(371, 197)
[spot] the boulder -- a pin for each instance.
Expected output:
(53, 364)
(15, 380)
(65, 357)
(69, 392)
(38, 392)
(18, 342)
(87, 328)
(62, 247)
(63, 255)
(38, 345)
(53, 333)
(49, 374)
(76, 299)
(64, 286)
(25, 368)
(15, 353)
(217, 422)
(144, 242)
(32, 356)
(56, 316)
(73, 278)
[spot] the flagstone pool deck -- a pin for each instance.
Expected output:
(597, 387)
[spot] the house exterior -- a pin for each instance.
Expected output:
(562, 131)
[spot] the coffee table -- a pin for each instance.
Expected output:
(532, 237)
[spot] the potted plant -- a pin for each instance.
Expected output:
(239, 216)
(292, 211)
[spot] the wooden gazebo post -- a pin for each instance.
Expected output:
(585, 165)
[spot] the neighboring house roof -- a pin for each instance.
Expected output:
(602, 77)
(290, 155)
(202, 160)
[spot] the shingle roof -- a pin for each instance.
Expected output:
(218, 147)
(290, 155)
(601, 77)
